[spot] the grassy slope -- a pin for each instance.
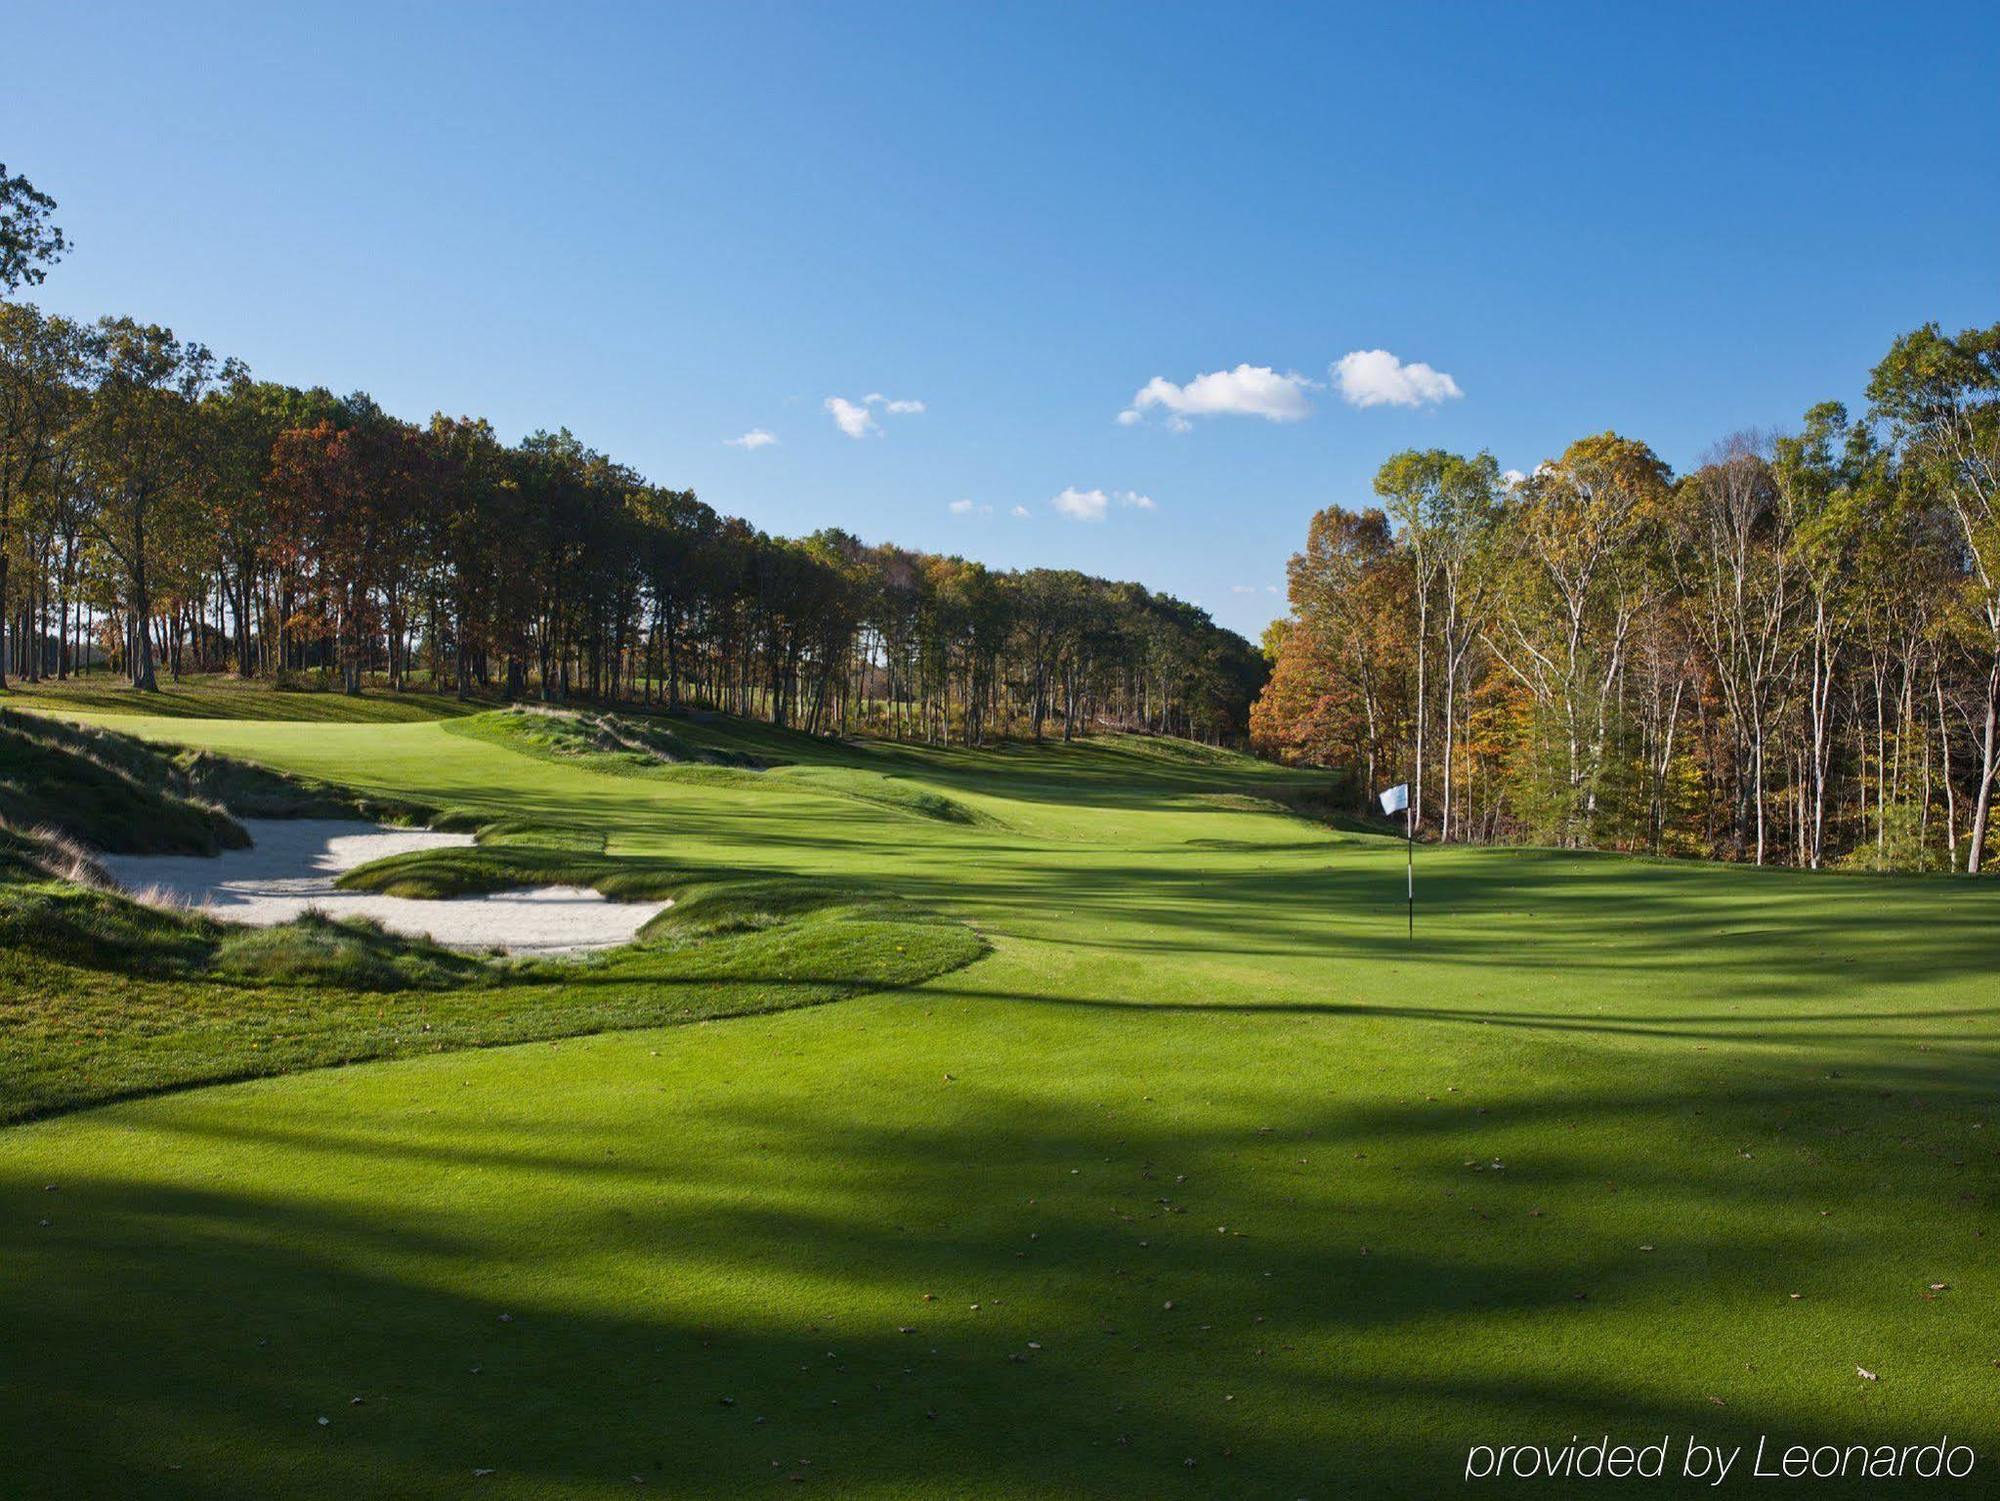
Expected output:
(226, 698)
(1201, 1067)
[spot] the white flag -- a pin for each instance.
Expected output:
(1397, 798)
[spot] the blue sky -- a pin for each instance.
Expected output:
(668, 227)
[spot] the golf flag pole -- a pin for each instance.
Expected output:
(1397, 800)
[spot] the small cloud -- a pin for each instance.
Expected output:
(1081, 505)
(1375, 377)
(754, 439)
(855, 421)
(968, 508)
(1246, 391)
(1242, 588)
(1513, 479)
(1021, 511)
(1094, 505)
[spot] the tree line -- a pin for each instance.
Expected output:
(163, 512)
(1789, 654)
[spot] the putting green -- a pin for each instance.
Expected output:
(1204, 1182)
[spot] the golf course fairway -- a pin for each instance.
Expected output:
(1203, 1181)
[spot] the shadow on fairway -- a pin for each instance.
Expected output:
(552, 1335)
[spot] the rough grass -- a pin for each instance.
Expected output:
(109, 791)
(116, 793)
(85, 926)
(352, 954)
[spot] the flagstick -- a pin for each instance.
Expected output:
(1410, 865)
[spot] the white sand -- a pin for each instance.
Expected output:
(293, 863)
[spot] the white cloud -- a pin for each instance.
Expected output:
(968, 508)
(1095, 505)
(856, 422)
(754, 439)
(1081, 505)
(1021, 511)
(1242, 588)
(857, 419)
(1513, 479)
(1246, 391)
(1375, 377)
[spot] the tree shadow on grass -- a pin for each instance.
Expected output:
(690, 1311)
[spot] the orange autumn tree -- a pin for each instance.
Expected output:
(1339, 681)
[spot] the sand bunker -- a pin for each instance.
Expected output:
(293, 863)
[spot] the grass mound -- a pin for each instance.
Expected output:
(884, 791)
(1174, 751)
(607, 742)
(623, 744)
(46, 911)
(117, 793)
(352, 954)
(108, 790)
(707, 901)
(248, 790)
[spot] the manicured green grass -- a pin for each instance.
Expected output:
(1204, 1161)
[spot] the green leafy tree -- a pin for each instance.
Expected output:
(29, 242)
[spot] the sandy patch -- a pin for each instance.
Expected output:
(293, 862)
